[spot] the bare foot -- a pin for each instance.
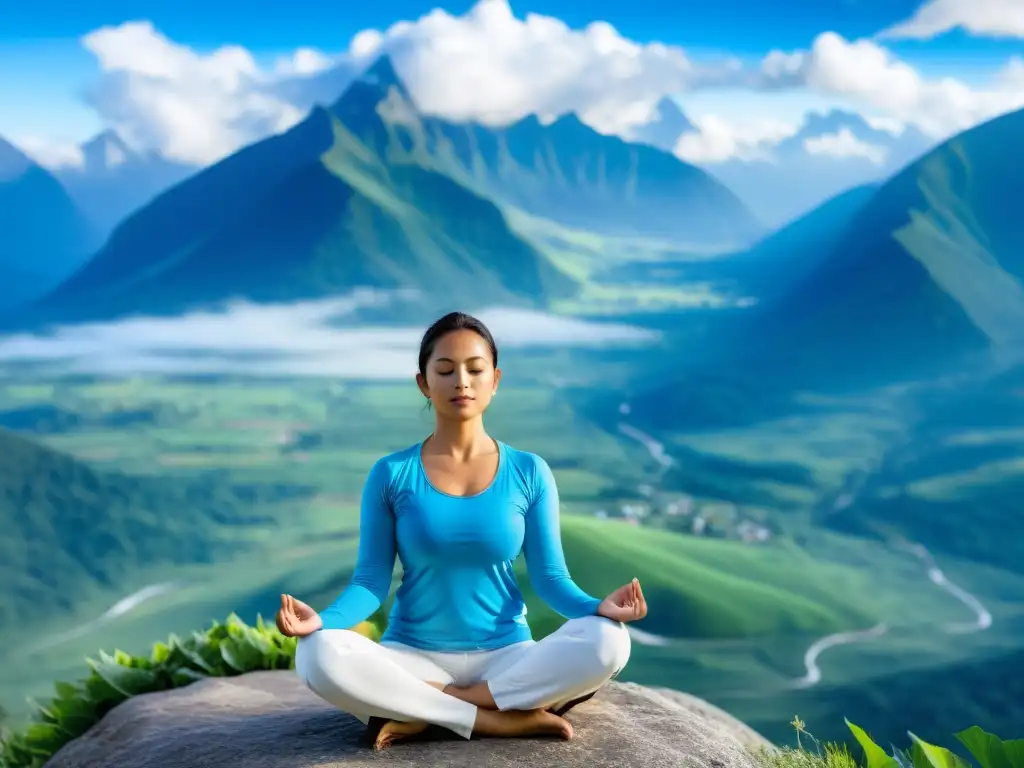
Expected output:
(534, 722)
(393, 731)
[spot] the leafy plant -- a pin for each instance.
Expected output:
(989, 750)
(224, 650)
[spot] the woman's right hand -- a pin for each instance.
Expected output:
(296, 619)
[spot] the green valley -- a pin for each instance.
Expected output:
(728, 616)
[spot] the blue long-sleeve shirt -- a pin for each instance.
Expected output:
(458, 589)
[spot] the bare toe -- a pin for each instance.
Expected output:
(394, 730)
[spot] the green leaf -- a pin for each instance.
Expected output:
(1014, 751)
(934, 756)
(44, 738)
(161, 653)
(67, 690)
(128, 680)
(987, 748)
(207, 647)
(192, 656)
(876, 756)
(240, 655)
(99, 691)
(75, 716)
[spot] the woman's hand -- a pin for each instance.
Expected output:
(624, 604)
(296, 619)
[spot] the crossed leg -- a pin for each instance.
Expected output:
(403, 687)
(563, 669)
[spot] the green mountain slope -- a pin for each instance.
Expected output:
(311, 213)
(786, 256)
(701, 588)
(69, 530)
(924, 279)
(929, 270)
(43, 235)
(954, 484)
(564, 171)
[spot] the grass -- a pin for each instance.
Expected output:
(707, 589)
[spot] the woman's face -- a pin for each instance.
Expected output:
(461, 378)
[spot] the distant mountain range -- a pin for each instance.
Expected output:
(369, 192)
(663, 131)
(831, 152)
(920, 278)
(44, 234)
(114, 180)
(564, 171)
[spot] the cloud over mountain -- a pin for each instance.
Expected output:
(490, 66)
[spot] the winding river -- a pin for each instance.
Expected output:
(811, 677)
(812, 674)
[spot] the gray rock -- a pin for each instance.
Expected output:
(270, 720)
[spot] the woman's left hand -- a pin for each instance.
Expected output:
(624, 604)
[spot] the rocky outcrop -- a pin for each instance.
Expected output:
(270, 720)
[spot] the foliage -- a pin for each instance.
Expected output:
(987, 749)
(224, 650)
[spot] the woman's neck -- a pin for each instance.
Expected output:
(460, 439)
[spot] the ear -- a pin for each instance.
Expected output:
(421, 382)
(497, 379)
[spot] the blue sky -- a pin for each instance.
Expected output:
(52, 68)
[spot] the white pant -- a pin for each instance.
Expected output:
(388, 680)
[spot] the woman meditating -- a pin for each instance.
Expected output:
(457, 509)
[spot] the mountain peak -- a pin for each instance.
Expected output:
(382, 73)
(106, 151)
(671, 116)
(664, 130)
(376, 85)
(13, 162)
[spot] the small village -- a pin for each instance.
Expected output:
(682, 513)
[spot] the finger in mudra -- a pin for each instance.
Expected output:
(627, 603)
(296, 619)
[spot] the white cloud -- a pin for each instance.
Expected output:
(51, 153)
(872, 76)
(718, 140)
(992, 18)
(486, 65)
(887, 124)
(193, 108)
(843, 144)
(492, 67)
(302, 339)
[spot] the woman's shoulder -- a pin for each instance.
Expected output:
(530, 466)
(393, 464)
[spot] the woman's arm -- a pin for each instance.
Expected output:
(375, 561)
(542, 546)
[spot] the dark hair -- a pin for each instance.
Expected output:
(454, 321)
